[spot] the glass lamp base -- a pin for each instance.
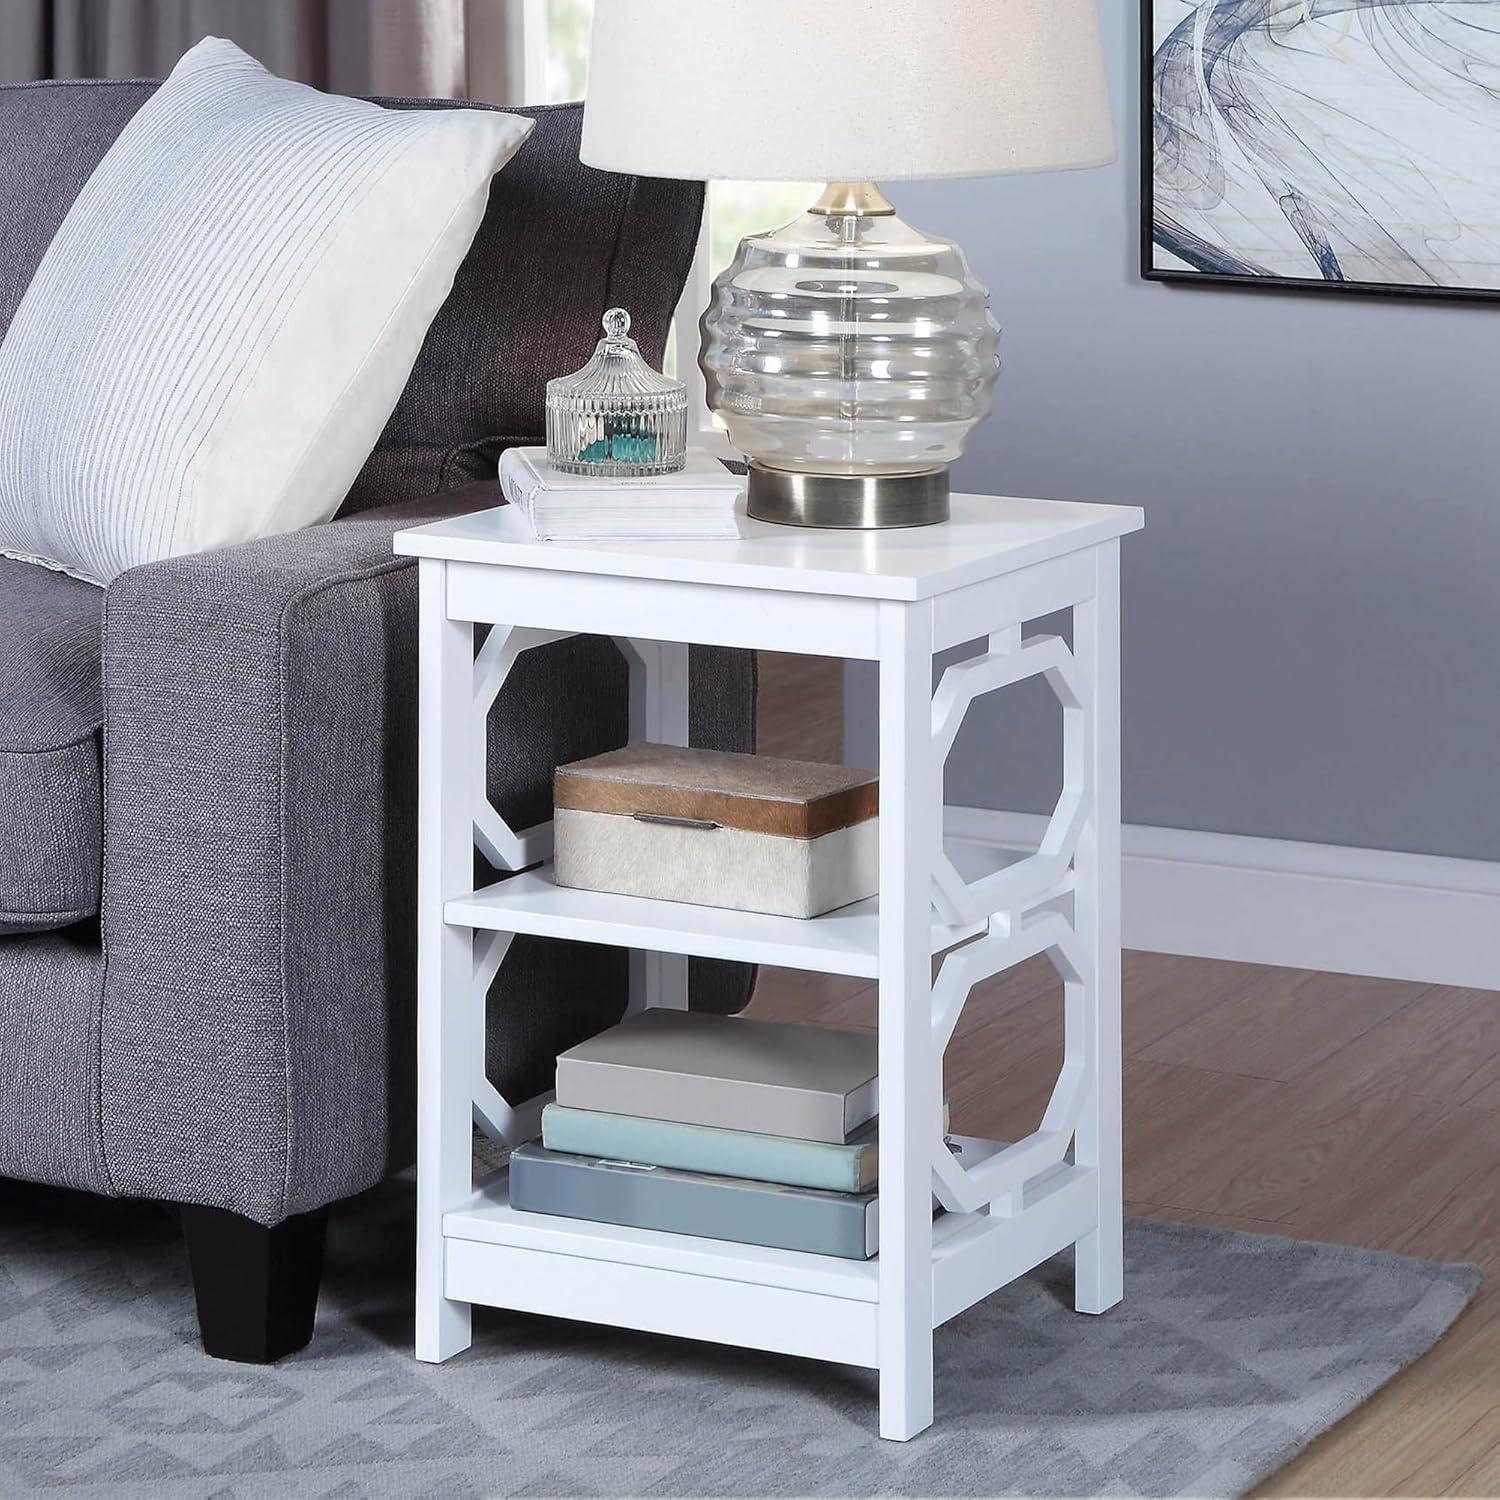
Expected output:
(858, 502)
(849, 355)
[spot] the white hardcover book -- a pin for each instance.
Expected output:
(699, 502)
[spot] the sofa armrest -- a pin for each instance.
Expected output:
(257, 702)
(259, 862)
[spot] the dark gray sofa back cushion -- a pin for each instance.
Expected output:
(51, 137)
(560, 243)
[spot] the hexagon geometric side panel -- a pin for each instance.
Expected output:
(1038, 876)
(966, 1190)
(501, 845)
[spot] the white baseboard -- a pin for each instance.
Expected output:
(1306, 906)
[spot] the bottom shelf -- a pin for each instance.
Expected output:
(791, 1301)
(488, 1218)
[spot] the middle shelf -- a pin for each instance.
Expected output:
(841, 942)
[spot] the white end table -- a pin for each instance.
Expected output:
(896, 598)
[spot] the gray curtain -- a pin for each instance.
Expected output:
(433, 48)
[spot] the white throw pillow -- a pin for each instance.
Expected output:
(227, 316)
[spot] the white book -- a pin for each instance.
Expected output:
(817, 1083)
(698, 502)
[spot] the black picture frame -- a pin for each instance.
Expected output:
(1302, 285)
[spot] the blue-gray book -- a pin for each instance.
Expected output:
(718, 1208)
(789, 1160)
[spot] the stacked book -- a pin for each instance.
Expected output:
(696, 503)
(720, 1126)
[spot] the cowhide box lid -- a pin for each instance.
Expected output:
(758, 793)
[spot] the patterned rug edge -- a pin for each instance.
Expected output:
(1463, 1278)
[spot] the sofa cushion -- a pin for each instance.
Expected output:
(559, 244)
(51, 784)
(51, 987)
(226, 318)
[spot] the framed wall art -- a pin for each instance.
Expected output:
(1335, 144)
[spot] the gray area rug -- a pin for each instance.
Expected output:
(1230, 1353)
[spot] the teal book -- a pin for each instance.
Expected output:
(852, 1167)
(718, 1208)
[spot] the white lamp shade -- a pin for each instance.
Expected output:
(845, 90)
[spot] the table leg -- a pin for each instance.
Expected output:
(659, 714)
(909, 1111)
(1100, 1281)
(446, 1021)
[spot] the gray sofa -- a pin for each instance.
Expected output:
(207, 770)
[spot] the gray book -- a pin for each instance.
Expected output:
(813, 1082)
(718, 1208)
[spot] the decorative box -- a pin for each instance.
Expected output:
(749, 832)
(616, 417)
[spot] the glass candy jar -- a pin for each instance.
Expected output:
(616, 416)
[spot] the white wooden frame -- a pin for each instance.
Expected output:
(1009, 1205)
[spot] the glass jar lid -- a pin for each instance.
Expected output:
(616, 377)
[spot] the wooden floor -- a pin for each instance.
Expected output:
(1276, 1100)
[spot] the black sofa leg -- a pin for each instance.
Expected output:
(257, 1288)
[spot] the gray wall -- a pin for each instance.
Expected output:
(1312, 615)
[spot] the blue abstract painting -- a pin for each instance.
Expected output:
(1335, 143)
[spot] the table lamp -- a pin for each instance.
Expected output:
(848, 354)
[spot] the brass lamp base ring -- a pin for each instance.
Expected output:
(848, 502)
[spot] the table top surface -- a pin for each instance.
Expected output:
(987, 537)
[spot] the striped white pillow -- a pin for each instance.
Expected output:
(228, 314)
